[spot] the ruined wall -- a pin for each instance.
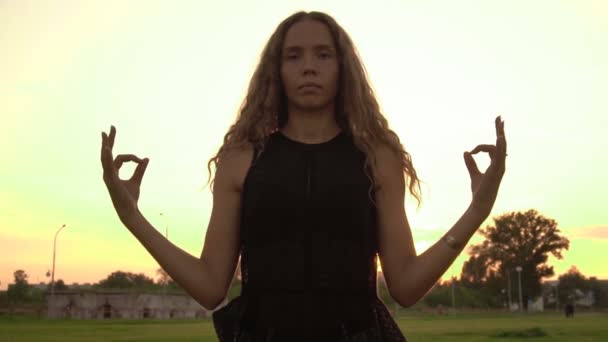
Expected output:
(106, 305)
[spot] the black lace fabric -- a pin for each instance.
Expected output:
(229, 326)
(308, 249)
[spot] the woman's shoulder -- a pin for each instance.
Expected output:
(236, 152)
(235, 162)
(388, 166)
(384, 153)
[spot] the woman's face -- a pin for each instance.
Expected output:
(309, 56)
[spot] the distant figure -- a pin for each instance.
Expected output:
(440, 310)
(569, 310)
(309, 191)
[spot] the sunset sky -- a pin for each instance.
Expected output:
(170, 76)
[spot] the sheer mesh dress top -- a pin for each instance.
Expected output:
(308, 244)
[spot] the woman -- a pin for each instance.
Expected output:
(309, 188)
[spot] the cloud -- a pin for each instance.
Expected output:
(596, 232)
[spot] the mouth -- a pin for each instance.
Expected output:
(309, 85)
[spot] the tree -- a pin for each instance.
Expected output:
(474, 271)
(19, 290)
(573, 285)
(600, 292)
(163, 277)
(60, 285)
(20, 277)
(165, 281)
(522, 239)
(123, 280)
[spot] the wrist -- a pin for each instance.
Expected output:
(480, 209)
(130, 218)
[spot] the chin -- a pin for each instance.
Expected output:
(311, 104)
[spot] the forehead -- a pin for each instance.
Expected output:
(308, 34)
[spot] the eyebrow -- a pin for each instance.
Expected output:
(316, 47)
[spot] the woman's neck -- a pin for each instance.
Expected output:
(311, 126)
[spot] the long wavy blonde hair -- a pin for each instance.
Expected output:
(264, 109)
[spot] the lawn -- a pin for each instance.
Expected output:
(505, 327)
(416, 327)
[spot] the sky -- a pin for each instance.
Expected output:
(170, 76)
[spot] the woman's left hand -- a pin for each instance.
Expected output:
(485, 185)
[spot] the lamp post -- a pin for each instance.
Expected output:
(453, 295)
(166, 236)
(166, 226)
(556, 298)
(521, 305)
(509, 289)
(53, 273)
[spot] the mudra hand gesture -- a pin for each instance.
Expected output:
(485, 185)
(124, 193)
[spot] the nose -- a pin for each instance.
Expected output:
(309, 65)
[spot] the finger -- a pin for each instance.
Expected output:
(501, 141)
(471, 165)
(112, 136)
(491, 149)
(139, 171)
(106, 153)
(120, 159)
(497, 125)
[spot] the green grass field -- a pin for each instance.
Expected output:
(419, 327)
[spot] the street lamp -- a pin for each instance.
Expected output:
(453, 296)
(53, 273)
(509, 289)
(556, 297)
(166, 227)
(521, 305)
(166, 236)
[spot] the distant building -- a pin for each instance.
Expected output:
(585, 298)
(536, 304)
(582, 298)
(94, 304)
(40, 286)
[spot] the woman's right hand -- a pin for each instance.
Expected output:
(124, 193)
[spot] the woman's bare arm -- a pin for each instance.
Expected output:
(191, 273)
(221, 248)
(206, 278)
(409, 276)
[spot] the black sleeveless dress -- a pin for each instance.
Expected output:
(308, 249)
